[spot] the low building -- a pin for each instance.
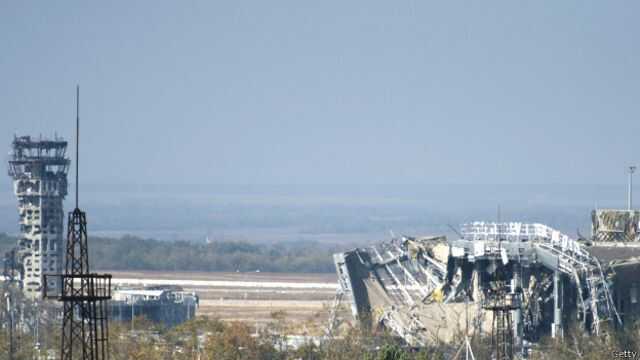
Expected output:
(169, 307)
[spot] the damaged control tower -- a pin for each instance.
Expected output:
(39, 171)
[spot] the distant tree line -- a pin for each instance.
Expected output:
(6, 243)
(133, 253)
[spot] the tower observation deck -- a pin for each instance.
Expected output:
(39, 170)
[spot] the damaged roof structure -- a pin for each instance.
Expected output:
(520, 281)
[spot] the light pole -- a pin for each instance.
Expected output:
(11, 325)
(632, 169)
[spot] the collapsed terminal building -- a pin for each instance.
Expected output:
(518, 281)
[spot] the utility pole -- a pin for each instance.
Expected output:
(9, 280)
(37, 332)
(632, 169)
(12, 349)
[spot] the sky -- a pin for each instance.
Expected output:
(329, 92)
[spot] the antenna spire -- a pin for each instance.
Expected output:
(77, 140)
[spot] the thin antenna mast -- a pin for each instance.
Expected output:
(77, 141)
(85, 330)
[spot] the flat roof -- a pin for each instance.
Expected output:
(140, 292)
(615, 251)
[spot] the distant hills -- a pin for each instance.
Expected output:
(323, 213)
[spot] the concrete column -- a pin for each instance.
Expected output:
(556, 328)
(516, 314)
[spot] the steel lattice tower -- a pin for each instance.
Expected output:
(85, 331)
(501, 303)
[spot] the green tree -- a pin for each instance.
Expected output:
(392, 352)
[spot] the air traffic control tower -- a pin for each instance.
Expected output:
(39, 171)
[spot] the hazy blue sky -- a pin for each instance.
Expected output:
(274, 92)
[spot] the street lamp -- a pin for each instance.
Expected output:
(632, 169)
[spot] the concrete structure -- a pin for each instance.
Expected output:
(394, 285)
(39, 170)
(611, 225)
